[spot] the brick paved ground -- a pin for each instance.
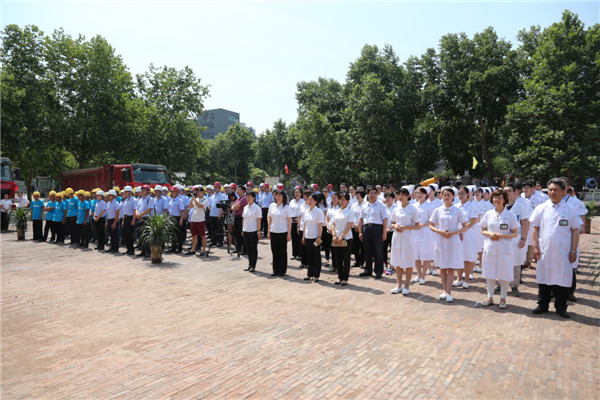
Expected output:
(77, 324)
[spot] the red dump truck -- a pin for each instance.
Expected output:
(111, 175)
(7, 181)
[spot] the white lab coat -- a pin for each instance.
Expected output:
(555, 223)
(498, 256)
(402, 254)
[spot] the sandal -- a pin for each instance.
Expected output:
(487, 303)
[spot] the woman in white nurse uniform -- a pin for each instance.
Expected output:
(423, 236)
(448, 222)
(499, 226)
(404, 222)
(469, 238)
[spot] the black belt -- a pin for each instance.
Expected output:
(373, 225)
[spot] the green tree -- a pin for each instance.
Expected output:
(30, 112)
(555, 126)
(277, 148)
(166, 124)
(232, 153)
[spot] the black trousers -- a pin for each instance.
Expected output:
(47, 229)
(296, 239)
(5, 219)
(263, 221)
(574, 284)
(314, 258)
(100, 231)
(251, 245)
(37, 229)
(373, 248)
(113, 233)
(128, 231)
(72, 229)
(561, 294)
(279, 250)
(59, 228)
(237, 230)
(303, 252)
(177, 244)
(216, 230)
(341, 259)
(386, 246)
(326, 237)
(84, 234)
(357, 249)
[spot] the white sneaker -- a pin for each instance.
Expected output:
(457, 283)
(476, 269)
(471, 277)
(463, 275)
(465, 285)
(449, 299)
(396, 290)
(428, 272)
(421, 281)
(414, 280)
(405, 291)
(434, 272)
(443, 296)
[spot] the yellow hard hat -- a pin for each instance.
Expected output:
(187, 188)
(61, 195)
(51, 193)
(117, 189)
(69, 191)
(255, 190)
(36, 193)
(151, 190)
(88, 194)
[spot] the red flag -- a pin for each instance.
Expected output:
(287, 171)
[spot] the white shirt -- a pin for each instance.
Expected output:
(5, 205)
(279, 216)
(555, 223)
(390, 211)
(341, 218)
(404, 216)
(448, 219)
(295, 207)
(503, 224)
(21, 202)
(312, 219)
(522, 210)
(301, 210)
(373, 213)
(250, 218)
(198, 214)
(357, 210)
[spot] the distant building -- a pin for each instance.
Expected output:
(218, 120)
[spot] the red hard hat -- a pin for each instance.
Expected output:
(233, 186)
(249, 184)
(217, 184)
(330, 186)
(146, 187)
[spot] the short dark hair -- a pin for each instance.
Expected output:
(499, 192)
(510, 185)
(405, 191)
(284, 194)
(529, 183)
(557, 181)
(370, 188)
(390, 194)
(251, 194)
(566, 180)
(307, 192)
(344, 195)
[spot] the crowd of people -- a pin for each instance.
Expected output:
(421, 230)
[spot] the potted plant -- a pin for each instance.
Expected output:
(21, 217)
(156, 231)
(592, 211)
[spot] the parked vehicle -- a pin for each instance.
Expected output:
(7, 182)
(111, 175)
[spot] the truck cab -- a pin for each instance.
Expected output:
(7, 181)
(137, 174)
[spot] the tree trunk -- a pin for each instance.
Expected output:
(28, 185)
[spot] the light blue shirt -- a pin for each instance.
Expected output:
(373, 213)
(144, 204)
(100, 206)
(266, 200)
(83, 205)
(50, 214)
(214, 210)
(111, 209)
(73, 204)
(176, 206)
(161, 204)
(128, 207)
(59, 211)
(36, 210)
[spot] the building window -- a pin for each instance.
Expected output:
(232, 118)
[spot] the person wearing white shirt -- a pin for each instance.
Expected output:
(5, 205)
(295, 205)
(198, 205)
(21, 200)
(555, 240)
(301, 209)
(499, 226)
(405, 221)
(448, 222)
(423, 236)
(468, 238)
(373, 231)
(522, 210)
(342, 221)
(327, 235)
(251, 222)
(357, 245)
(391, 204)
(313, 228)
(279, 227)
(580, 209)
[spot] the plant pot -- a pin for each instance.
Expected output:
(587, 226)
(20, 233)
(156, 254)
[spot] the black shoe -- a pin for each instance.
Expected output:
(377, 276)
(273, 274)
(540, 310)
(243, 253)
(344, 283)
(247, 269)
(170, 251)
(572, 298)
(177, 251)
(316, 280)
(563, 313)
(365, 274)
(338, 282)
(308, 278)
(141, 255)
(251, 270)
(126, 253)
(354, 265)
(281, 274)
(301, 266)
(189, 253)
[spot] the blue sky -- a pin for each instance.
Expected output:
(252, 54)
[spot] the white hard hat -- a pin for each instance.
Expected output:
(127, 189)
(158, 187)
(112, 191)
(100, 193)
(138, 189)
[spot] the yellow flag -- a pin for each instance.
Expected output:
(474, 162)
